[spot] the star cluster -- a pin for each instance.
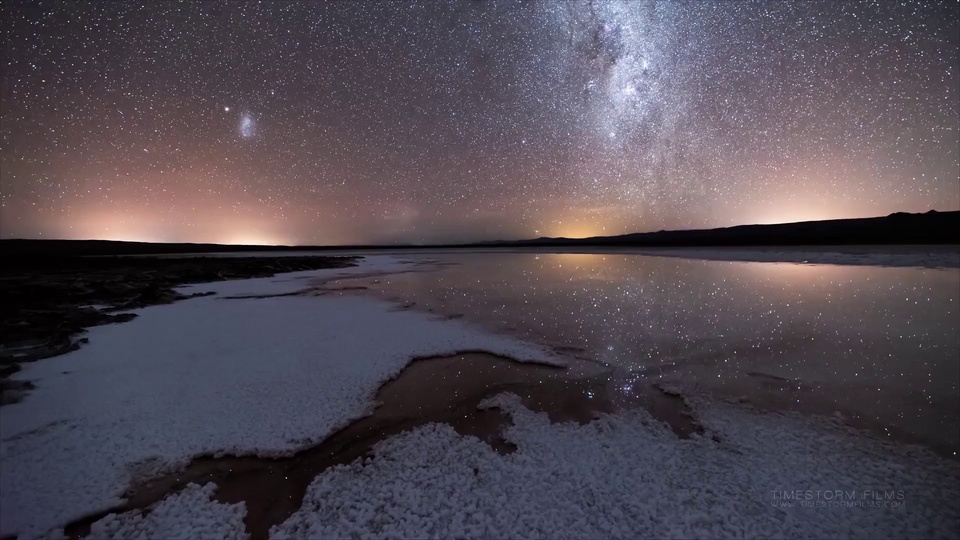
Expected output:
(344, 122)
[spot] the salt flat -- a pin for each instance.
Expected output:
(208, 375)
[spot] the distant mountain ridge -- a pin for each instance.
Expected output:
(932, 227)
(899, 228)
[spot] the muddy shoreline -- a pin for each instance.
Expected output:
(47, 303)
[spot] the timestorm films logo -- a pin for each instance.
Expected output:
(838, 498)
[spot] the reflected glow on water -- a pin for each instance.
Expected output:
(874, 342)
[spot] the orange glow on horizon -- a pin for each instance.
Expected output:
(795, 208)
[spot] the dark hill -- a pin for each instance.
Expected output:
(898, 228)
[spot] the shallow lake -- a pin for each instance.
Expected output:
(877, 346)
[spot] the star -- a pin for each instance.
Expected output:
(486, 121)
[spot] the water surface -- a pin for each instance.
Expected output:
(876, 344)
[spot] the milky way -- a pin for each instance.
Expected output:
(312, 122)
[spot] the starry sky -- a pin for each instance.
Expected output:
(400, 121)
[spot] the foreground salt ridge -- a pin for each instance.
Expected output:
(188, 514)
(623, 475)
(628, 476)
(208, 375)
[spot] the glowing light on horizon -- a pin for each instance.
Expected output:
(253, 240)
(804, 208)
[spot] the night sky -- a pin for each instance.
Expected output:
(359, 121)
